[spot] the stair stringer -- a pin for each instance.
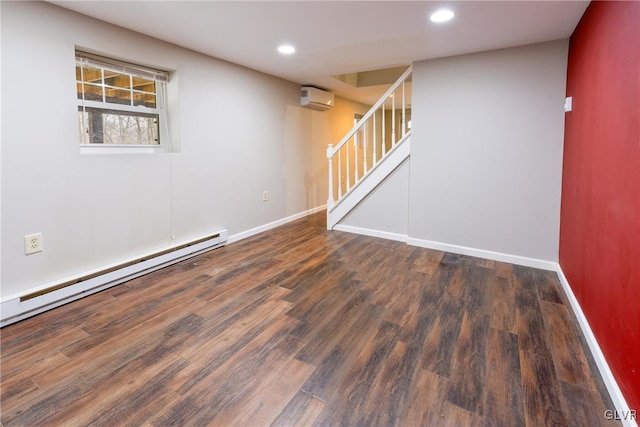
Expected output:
(368, 183)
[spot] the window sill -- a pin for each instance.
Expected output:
(121, 149)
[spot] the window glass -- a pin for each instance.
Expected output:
(118, 105)
(91, 92)
(118, 96)
(146, 99)
(117, 80)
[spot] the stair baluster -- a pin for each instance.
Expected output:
(375, 157)
(384, 134)
(339, 177)
(404, 118)
(364, 152)
(393, 121)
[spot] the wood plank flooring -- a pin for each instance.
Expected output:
(301, 326)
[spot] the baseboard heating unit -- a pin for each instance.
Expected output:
(18, 307)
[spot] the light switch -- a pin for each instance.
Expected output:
(568, 104)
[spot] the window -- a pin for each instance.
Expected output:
(119, 104)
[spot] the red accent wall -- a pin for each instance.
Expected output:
(600, 217)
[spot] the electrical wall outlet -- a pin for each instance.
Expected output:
(32, 243)
(265, 196)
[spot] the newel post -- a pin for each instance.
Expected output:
(330, 201)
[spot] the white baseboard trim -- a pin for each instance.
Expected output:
(34, 301)
(623, 410)
(373, 233)
(256, 230)
(481, 253)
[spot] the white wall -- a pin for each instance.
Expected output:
(240, 132)
(486, 146)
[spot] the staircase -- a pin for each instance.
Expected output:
(377, 144)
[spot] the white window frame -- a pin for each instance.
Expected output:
(160, 78)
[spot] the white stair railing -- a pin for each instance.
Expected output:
(367, 143)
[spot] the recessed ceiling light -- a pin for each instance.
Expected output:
(443, 15)
(286, 49)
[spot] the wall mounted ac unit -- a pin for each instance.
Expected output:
(315, 98)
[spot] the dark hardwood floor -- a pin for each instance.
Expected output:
(300, 326)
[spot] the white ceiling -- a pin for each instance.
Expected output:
(337, 37)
